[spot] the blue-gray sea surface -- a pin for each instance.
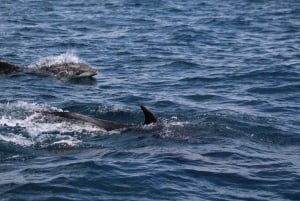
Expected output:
(223, 78)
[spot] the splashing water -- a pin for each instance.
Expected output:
(38, 129)
(68, 57)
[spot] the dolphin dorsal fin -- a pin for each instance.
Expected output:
(149, 116)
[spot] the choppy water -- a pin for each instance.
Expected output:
(222, 76)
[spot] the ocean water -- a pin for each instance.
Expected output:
(223, 78)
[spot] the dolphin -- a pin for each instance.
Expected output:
(67, 71)
(101, 123)
(62, 71)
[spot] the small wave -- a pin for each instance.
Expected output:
(67, 142)
(180, 65)
(203, 97)
(201, 79)
(268, 74)
(68, 57)
(275, 89)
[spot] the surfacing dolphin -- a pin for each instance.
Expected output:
(103, 124)
(62, 71)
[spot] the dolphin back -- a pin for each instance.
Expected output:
(105, 124)
(7, 68)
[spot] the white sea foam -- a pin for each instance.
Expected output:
(21, 105)
(69, 141)
(172, 128)
(17, 139)
(32, 127)
(114, 108)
